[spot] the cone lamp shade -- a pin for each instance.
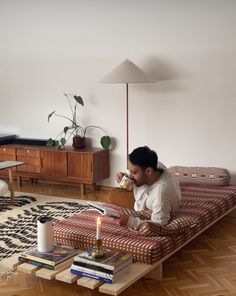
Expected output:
(127, 72)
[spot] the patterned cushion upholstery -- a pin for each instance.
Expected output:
(176, 226)
(201, 205)
(201, 175)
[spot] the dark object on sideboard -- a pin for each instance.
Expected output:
(13, 139)
(28, 141)
(6, 138)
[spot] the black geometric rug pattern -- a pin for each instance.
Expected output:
(22, 200)
(20, 233)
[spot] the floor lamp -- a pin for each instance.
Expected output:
(126, 72)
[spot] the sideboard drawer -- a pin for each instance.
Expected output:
(32, 164)
(28, 152)
(7, 151)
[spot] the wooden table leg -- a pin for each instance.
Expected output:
(11, 185)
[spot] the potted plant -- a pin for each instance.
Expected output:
(78, 132)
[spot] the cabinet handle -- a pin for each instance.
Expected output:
(27, 151)
(4, 149)
(41, 162)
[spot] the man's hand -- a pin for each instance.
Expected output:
(123, 220)
(119, 176)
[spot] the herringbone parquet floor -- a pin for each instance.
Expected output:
(205, 267)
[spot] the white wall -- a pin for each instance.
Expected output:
(188, 116)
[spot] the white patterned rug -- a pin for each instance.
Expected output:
(18, 224)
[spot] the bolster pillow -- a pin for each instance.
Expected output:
(201, 175)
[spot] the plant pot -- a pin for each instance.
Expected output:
(79, 142)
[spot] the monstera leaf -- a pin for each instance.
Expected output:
(79, 100)
(105, 142)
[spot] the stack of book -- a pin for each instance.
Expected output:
(111, 267)
(59, 257)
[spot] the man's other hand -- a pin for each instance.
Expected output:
(123, 220)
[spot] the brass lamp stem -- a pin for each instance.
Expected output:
(127, 123)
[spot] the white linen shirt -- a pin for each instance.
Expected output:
(163, 198)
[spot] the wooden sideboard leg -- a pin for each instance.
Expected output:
(82, 189)
(94, 186)
(19, 181)
(155, 274)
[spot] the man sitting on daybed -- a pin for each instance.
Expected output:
(154, 189)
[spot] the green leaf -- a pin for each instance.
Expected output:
(50, 142)
(105, 142)
(79, 100)
(50, 115)
(57, 144)
(66, 129)
(63, 141)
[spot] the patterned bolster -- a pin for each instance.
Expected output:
(201, 175)
(177, 226)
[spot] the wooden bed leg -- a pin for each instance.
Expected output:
(155, 274)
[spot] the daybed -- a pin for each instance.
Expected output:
(207, 197)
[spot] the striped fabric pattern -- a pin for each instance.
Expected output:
(200, 206)
(201, 175)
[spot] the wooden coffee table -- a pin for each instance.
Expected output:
(137, 271)
(9, 165)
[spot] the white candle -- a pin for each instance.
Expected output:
(98, 232)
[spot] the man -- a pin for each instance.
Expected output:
(154, 188)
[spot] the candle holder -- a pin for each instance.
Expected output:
(98, 252)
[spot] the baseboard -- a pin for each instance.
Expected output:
(104, 187)
(44, 181)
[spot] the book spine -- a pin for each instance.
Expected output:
(66, 263)
(111, 267)
(102, 269)
(40, 264)
(88, 261)
(92, 266)
(92, 271)
(92, 276)
(37, 259)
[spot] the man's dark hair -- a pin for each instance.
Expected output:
(144, 157)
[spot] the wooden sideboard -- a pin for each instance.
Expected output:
(85, 166)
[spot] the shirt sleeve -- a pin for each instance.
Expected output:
(161, 209)
(160, 215)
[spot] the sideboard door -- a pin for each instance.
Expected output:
(80, 166)
(54, 163)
